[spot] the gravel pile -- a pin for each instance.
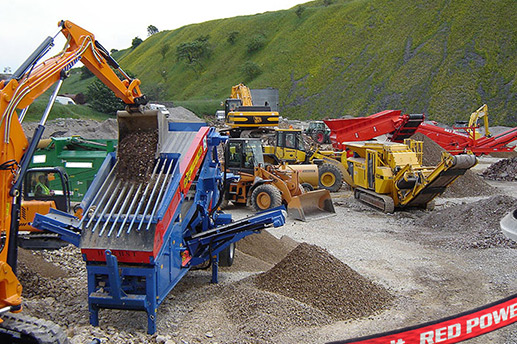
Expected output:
(311, 275)
(260, 315)
(505, 170)
(86, 128)
(468, 185)
(136, 154)
(472, 225)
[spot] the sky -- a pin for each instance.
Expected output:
(26, 23)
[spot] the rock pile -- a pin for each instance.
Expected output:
(472, 225)
(505, 169)
(309, 274)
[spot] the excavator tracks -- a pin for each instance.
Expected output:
(23, 329)
(382, 202)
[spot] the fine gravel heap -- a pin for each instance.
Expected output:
(505, 170)
(472, 225)
(467, 185)
(136, 154)
(311, 275)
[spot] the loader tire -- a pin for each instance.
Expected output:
(330, 177)
(266, 196)
(307, 187)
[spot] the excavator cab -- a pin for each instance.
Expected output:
(43, 188)
(47, 185)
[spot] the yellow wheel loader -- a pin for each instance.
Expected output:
(290, 147)
(264, 187)
(390, 175)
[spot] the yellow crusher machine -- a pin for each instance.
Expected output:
(390, 175)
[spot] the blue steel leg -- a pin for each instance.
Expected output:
(94, 315)
(113, 275)
(215, 268)
(151, 304)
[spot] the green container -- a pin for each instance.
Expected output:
(80, 157)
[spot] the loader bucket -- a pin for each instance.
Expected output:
(150, 121)
(312, 205)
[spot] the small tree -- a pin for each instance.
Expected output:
(136, 42)
(102, 99)
(85, 73)
(151, 30)
(299, 11)
(256, 43)
(327, 2)
(251, 70)
(232, 37)
(164, 49)
(193, 52)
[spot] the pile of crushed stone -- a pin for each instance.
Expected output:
(468, 185)
(504, 170)
(473, 225)
(262, 315)
(309, 274)
(86, 128)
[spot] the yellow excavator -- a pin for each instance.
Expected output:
(245, 119)
(17, 93)
(390, 175)
(265, 187)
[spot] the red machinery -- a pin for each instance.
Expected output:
(455, 141)
(396, 125)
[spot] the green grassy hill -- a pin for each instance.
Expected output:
(354, 57)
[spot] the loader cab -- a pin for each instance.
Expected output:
(47, 184)
(289, 146)
(243, 155)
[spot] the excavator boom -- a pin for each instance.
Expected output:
(30, 81)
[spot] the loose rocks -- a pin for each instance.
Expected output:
(505, 169)
(311, 275)
(136, 154)
(473, 225)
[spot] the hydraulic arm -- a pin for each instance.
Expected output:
(29, 81)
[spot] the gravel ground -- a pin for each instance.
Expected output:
(397, 253)
(416, 266)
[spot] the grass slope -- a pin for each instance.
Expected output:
(443, 58)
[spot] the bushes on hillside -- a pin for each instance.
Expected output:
(251, 70)
(194, 52)
(256, 43)
(232, 37)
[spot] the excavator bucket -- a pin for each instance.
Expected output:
(312, 205)
(150, 122)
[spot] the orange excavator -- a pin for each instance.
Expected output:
(29, 81)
